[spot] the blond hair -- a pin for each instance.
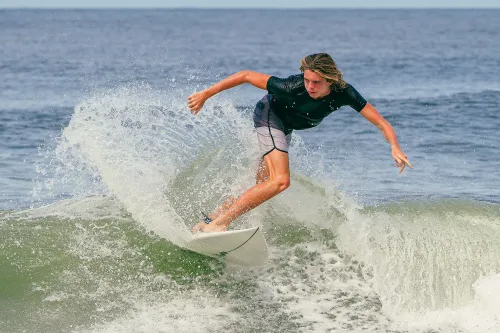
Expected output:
(324, 65)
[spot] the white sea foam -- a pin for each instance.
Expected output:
(140, 144)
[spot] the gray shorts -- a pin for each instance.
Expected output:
(272, 132)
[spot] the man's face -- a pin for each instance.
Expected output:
(315, 84)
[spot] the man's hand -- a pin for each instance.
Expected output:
(196, 101)
(400, 158)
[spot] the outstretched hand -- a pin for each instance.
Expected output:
(400, 158)
(196, 101)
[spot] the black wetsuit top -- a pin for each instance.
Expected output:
(299, 110)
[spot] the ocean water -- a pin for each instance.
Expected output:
(104, 170)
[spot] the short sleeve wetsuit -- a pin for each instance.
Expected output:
(288, 106)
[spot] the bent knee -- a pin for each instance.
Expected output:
(282, 182)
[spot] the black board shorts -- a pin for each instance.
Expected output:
(272, 132)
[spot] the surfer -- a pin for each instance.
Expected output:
(298, 102)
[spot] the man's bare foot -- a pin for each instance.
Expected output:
(212, 227)
(199, 227)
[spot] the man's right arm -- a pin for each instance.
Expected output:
(256, 79)
(259, 80)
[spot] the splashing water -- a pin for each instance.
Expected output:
(335, 263)
(145, 148)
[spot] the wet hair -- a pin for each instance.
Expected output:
(324, 65)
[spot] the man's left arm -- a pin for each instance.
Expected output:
(373, 116)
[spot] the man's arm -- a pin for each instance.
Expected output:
(259, 80)
(372, 115)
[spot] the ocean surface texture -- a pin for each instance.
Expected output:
(104, 170)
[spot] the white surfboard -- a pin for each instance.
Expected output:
(244, 247)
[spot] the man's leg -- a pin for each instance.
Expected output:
(278, 180)
(261, 176)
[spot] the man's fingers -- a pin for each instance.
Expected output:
(405, 160)
(402, 168)
(194, 104)
(402, 161)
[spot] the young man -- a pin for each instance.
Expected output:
(294, 103)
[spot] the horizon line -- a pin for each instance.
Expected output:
(244, 7)
(232, 8)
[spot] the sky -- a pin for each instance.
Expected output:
(250, 3)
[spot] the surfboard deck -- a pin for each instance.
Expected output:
(245, 247)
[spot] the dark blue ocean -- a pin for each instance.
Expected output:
(104, 170)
